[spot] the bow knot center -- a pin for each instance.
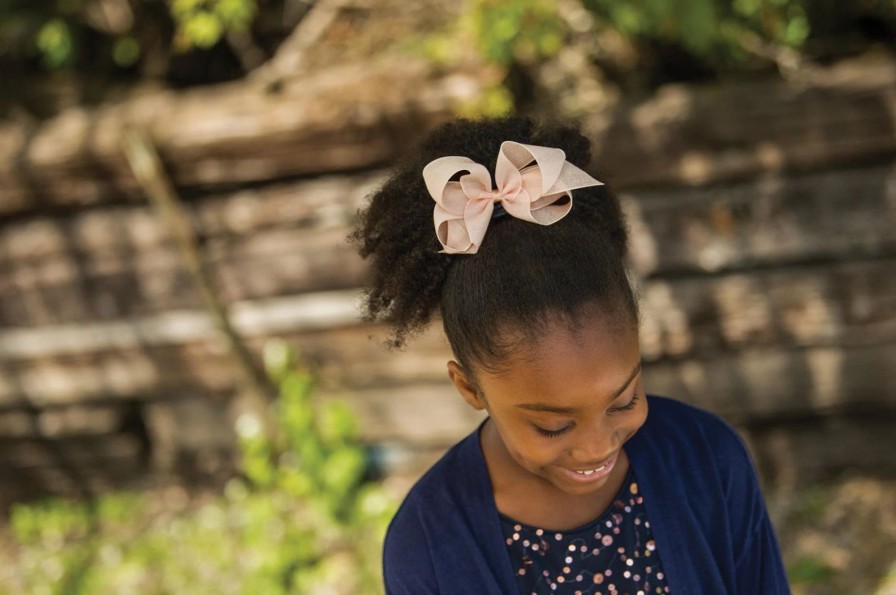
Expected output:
(505, 193)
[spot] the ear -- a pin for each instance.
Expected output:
(465, 386)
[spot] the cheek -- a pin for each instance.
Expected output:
(534, 451)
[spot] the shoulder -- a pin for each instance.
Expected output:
(407, 557)
(428, 493)
(704, 482)
(412, 540)
(675, 418)
(668, 411)
(440, 482)
(679, 428)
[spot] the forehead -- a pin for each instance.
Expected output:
(569, 363)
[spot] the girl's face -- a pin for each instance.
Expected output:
(567, 403)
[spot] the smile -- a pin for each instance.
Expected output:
(590, 471)
(589, 475)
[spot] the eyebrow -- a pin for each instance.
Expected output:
(555, 409)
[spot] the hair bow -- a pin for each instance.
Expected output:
(530, 180)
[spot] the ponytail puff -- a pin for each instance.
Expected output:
(410, 278)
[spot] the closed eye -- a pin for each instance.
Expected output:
(552, 433)
(627, 407)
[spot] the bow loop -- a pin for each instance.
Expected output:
(531, 183)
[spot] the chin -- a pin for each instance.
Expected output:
(579, 489)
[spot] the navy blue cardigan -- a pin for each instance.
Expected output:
(703, 500)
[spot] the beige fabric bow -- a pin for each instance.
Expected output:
(525, 189)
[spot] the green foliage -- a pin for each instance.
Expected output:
(712, 30)
(711, 35)
(126, 51)
(692, 21)
(505, 31)
(516, 30)
(301, 519)
(810, 570)
(202, 23)
(54, 40)
(58, 32)
(502, 32)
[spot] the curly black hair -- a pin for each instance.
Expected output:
(523, 273)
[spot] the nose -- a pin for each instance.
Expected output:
(596, 442)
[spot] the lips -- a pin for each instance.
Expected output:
(590, 474)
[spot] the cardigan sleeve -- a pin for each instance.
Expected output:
(407, 557)
(759, 569)
(758, 564)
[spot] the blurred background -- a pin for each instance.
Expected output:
(189, 401)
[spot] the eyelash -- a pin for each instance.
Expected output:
(551, 433)
(554, 433)
(630, 405)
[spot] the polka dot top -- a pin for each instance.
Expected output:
(612, 555)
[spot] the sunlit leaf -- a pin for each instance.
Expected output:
(54, 40)
(203, 29)
(126, 51)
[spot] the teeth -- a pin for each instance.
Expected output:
(590, 471)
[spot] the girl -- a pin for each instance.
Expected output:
(577, 481)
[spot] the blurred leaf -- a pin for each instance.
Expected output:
(182, 9)
(126, 51)
(337, 423)
(342, 469)
(236, 14)
(278, 357)
(796, 31)
(203, 29)
(495, 101)
(811, 571)
(504, 30)
(54, 40)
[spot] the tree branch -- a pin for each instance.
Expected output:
(149, 171)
